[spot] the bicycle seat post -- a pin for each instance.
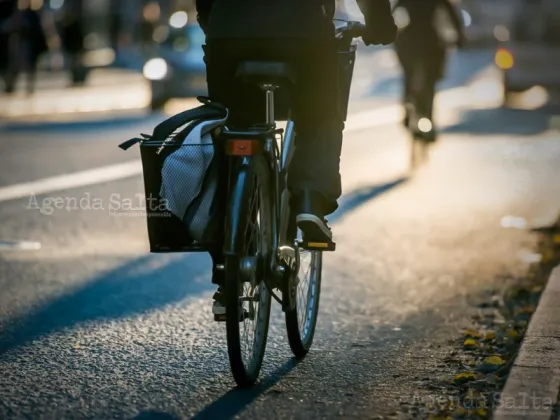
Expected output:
(269, 89)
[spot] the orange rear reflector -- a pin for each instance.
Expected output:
(239, 147)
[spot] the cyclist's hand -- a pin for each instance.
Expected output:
(380, 33)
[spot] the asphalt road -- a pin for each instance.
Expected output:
(92, 326)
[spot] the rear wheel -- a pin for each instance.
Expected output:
(302, 319)
(247, 296)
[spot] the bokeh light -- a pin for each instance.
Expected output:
(402, 19)
(467, 19)
(501, 33)
(152, 12)
(179, 19)
(425, 125)
(56, 4)
(504, 59)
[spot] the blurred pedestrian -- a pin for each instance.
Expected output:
(7, 9)
(25, 42)
(32, 42)
(72, 41)
(422, 52)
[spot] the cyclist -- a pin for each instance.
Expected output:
(422, 50)
(303, 34)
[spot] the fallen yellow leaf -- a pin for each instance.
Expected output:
(472, 333)
(489, 336)
(470, 342)
(77, 346)
(482, 412)
(494, 360)
(513, 334)
(556, 239)
(461, 378)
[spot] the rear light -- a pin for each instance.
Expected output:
(504, 59)
(243, 147)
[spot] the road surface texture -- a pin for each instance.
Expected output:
(92, 326)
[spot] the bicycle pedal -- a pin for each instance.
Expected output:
(222, 317)
(318, 246)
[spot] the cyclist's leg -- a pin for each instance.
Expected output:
(242, 101)
(406, 96)
(404, 60)
(432, 74)
(314, 178)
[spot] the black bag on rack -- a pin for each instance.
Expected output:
(186, 173)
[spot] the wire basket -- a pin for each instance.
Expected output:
(166, 231)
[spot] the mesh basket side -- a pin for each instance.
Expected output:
(169, 232)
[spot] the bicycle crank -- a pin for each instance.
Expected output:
(289, 263)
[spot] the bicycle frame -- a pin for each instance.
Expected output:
(286, 254)
(280, 166)
(283, 253)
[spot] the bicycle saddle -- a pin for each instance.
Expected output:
(266, 72)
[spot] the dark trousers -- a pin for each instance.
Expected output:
(423, 62)
(314, 103)
(419, 90)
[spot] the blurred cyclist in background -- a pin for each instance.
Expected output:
(302, 33)
(422, 51)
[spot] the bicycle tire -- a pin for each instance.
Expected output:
(246, 357)
(301, 321)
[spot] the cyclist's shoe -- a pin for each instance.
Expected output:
(427, 136)
(219, 306)
(314, 228)
(310, 219)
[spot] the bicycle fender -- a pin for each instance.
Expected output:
(237, 208)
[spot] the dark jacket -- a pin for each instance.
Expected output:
(280, 18)
(422, 13)
(32, 32)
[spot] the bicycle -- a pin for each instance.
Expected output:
(264, 253)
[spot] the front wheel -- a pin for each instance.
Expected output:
(247, 296)
(302, 319)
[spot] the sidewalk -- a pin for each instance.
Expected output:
(533, 386)
(107, 89)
